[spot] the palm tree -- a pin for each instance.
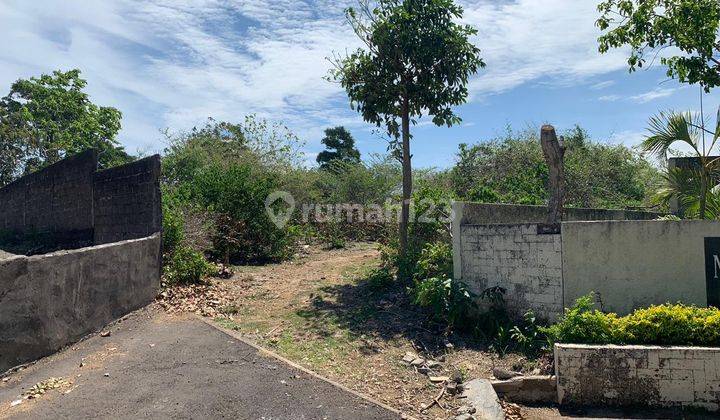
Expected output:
(690, 186)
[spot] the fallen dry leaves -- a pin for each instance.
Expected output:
(41, 388)
(202, 299)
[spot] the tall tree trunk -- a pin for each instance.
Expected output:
(554, 151)
(407, 178)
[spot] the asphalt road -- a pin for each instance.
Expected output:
(156, 366)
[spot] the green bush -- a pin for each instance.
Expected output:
(172, 225)
(668, 324)
(435, 261)
(449, 301)
(187, 267)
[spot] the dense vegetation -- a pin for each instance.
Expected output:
(512, 169)
(669, 324)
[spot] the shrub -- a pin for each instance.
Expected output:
(449, 301)
(669, 324)
(187, 267)
(172, 225)
(435, 261)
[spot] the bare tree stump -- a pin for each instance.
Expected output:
(554, 151)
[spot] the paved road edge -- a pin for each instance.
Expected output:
(267, 352)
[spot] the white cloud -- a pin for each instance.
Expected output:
(610, 98)
(527, 40)
(173, 63)
(602, 85)
(652, 95)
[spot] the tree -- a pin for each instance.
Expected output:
(417, 61)
(341, 147)
(692, 187)
(44, 119)
(650, 26)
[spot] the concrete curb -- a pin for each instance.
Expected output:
(270, 353)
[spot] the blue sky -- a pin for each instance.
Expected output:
(173, 63)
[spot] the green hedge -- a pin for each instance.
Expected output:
(669, 324)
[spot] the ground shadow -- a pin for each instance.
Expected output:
(384, 313)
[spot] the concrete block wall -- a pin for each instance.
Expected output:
(638, 375)
(52, 300)
(515, 257)
(127, 201)
(54, 204)
(69, 205)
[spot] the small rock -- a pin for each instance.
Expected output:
(433, 364)
(5, 379)
(107, 375)
(466, 409)
(465, 416)
(105, 334)
(82, 364)
(438, 379)
(16, 402)
(504, 374)
(451, 388)
(409, 357)
(419, 361)
(424, 370)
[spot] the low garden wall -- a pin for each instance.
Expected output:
(49, 301)
(591, 375)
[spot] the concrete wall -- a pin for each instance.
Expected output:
(69, 205)
(54, 204)
(633, 264)
(483, 214)
(518, 259)
(638, 375)
(49, 301)
(127, 201)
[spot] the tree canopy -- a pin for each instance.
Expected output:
(416, 61)
(43, 119)
(341, 147)
(650, 26)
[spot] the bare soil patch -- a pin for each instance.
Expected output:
(320, 312)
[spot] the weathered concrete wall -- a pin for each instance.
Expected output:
(517, 258)
(638, 375)
(484, 214)
(127, 201)
(69, 205)
(633, 264)
(49, 301)
(54, 204)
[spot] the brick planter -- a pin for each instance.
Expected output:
(653, 376)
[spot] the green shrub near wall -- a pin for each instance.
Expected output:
(668, 324)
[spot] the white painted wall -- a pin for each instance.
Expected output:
(516, 258)
(634, 264)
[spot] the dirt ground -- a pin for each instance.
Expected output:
(319, 312)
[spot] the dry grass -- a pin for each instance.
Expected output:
(323, 313)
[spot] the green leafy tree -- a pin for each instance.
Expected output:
(692, 187)
(650, 26)
(43, 119)
(341, 147)
(416, 61)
